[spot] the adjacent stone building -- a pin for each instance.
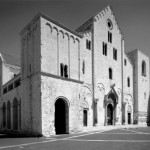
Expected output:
(71, 80)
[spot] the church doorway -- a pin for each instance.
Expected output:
(109, 114)
(129, 118)
(61, 116)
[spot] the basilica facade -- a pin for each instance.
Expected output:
(68, 80)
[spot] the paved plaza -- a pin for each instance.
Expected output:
(111, 139)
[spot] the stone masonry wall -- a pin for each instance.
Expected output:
(102, 63)
(52, 89)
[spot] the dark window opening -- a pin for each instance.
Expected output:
(17, 83)
(64, 70)
(105, 49)
(110, 74)
(143, 68)
(10, 87)
(128, 82)
(61, 69)
(125, 62)
(109, 37)
(5, 90)
(114, 54)
(85, 117)
(88, 44)
(83, 67)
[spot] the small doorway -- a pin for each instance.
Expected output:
(109, 114)
(129, 118)
(61, 117)
(85, 117)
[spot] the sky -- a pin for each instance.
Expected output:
(133, 17)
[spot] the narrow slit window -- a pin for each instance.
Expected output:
(61, 70)
(110, 74)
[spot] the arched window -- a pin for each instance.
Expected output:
(143, 68)
(128, 82)
(4, 115)
(8, 115)
(15, 114)
(110, 73)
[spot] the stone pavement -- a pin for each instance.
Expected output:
(112, 127)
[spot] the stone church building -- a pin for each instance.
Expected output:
(70, 80)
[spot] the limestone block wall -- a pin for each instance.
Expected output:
(31, 105)
(143, 87)
(30, 48)
(26, 105)
(59, 46)
(128, 99)
(51, 90)
(86, 59)
(134, 58)
(102, 62)
(31, 67)
(35, 102)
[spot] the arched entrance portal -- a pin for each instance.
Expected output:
(61, 116)
(109, 114)
(111, 101)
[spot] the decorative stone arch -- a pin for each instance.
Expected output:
(8, 115)
(66, 35)
(85, 104)
(61, 115)
(76, 39)
(61, 33)
(55, 30)
(130, 97)
(72, 38)
(50, 27)
(110, 101)
(129, 108)
(86, 86)
(101, 87)
(62, 97)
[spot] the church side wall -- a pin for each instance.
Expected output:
(128, 99)
(143, 88)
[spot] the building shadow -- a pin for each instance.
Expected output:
(148, 112)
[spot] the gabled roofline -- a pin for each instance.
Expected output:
(94, 16)
(40, 14)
